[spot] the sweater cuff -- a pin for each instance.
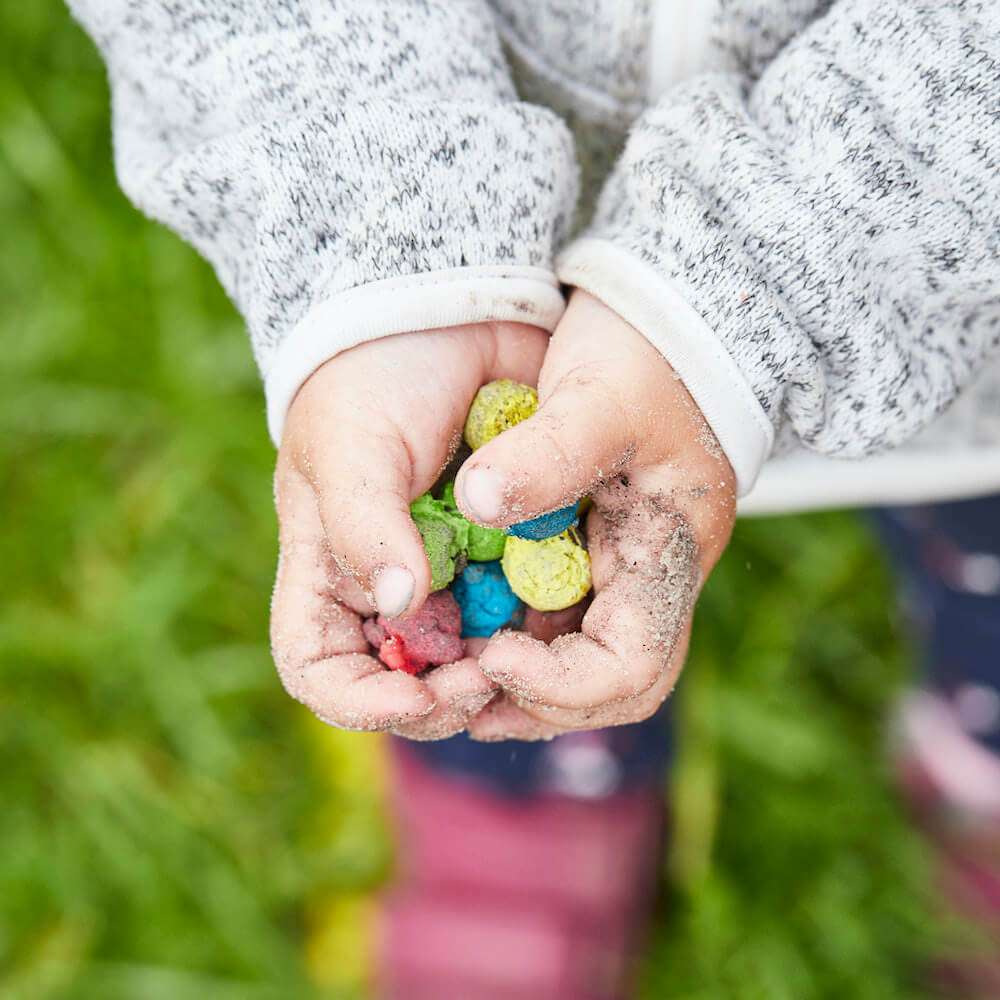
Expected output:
(453, 297)
(659, 312)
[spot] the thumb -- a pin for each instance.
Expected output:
(578, 437)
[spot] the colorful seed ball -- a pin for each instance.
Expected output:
(445, 536)
(548, 575)
(429, 637)
(498, 405)
(484, 596)
(439, 544)
(549, 625)
(484, 544)
(545, 525)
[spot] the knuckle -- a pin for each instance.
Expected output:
(644, 708)
(645, 676)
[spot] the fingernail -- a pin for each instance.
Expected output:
(482, 491)
(393, 590)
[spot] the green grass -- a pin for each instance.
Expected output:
(165, 818)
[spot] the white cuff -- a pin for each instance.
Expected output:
(680, 43)
(658, 311)
(454, 297)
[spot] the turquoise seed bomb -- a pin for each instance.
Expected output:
(484, 596)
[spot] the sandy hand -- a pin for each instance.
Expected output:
(368, 432)
(617, 423)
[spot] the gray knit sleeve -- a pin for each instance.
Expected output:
(818, 252)
(352, 168)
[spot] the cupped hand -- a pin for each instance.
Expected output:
(367, 433)
(614, 422)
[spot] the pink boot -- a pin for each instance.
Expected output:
(952, 784)
(509, 898)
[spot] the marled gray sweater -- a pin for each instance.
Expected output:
(805, 220)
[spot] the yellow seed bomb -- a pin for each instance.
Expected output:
(497, 406)
(549, 575)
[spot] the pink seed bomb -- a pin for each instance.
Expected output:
(429, 637)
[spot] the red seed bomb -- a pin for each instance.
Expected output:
(429, 637)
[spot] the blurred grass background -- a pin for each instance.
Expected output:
(171, 825)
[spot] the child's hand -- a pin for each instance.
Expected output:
(370, 431)
(617, 423)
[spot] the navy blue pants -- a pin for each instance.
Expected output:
(947, 557)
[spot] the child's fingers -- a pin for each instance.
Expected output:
(501, 719)
(474, 645)
(317, 643)
(646, 574)
(461, 691)
(362, 478)
(616, 713)
(349, 593)
(575, 672)
(577, 438)
(518, 353)
(354, 691)
(505, 718)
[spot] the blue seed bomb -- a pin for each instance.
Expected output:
(485, 599)
(546, 525)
